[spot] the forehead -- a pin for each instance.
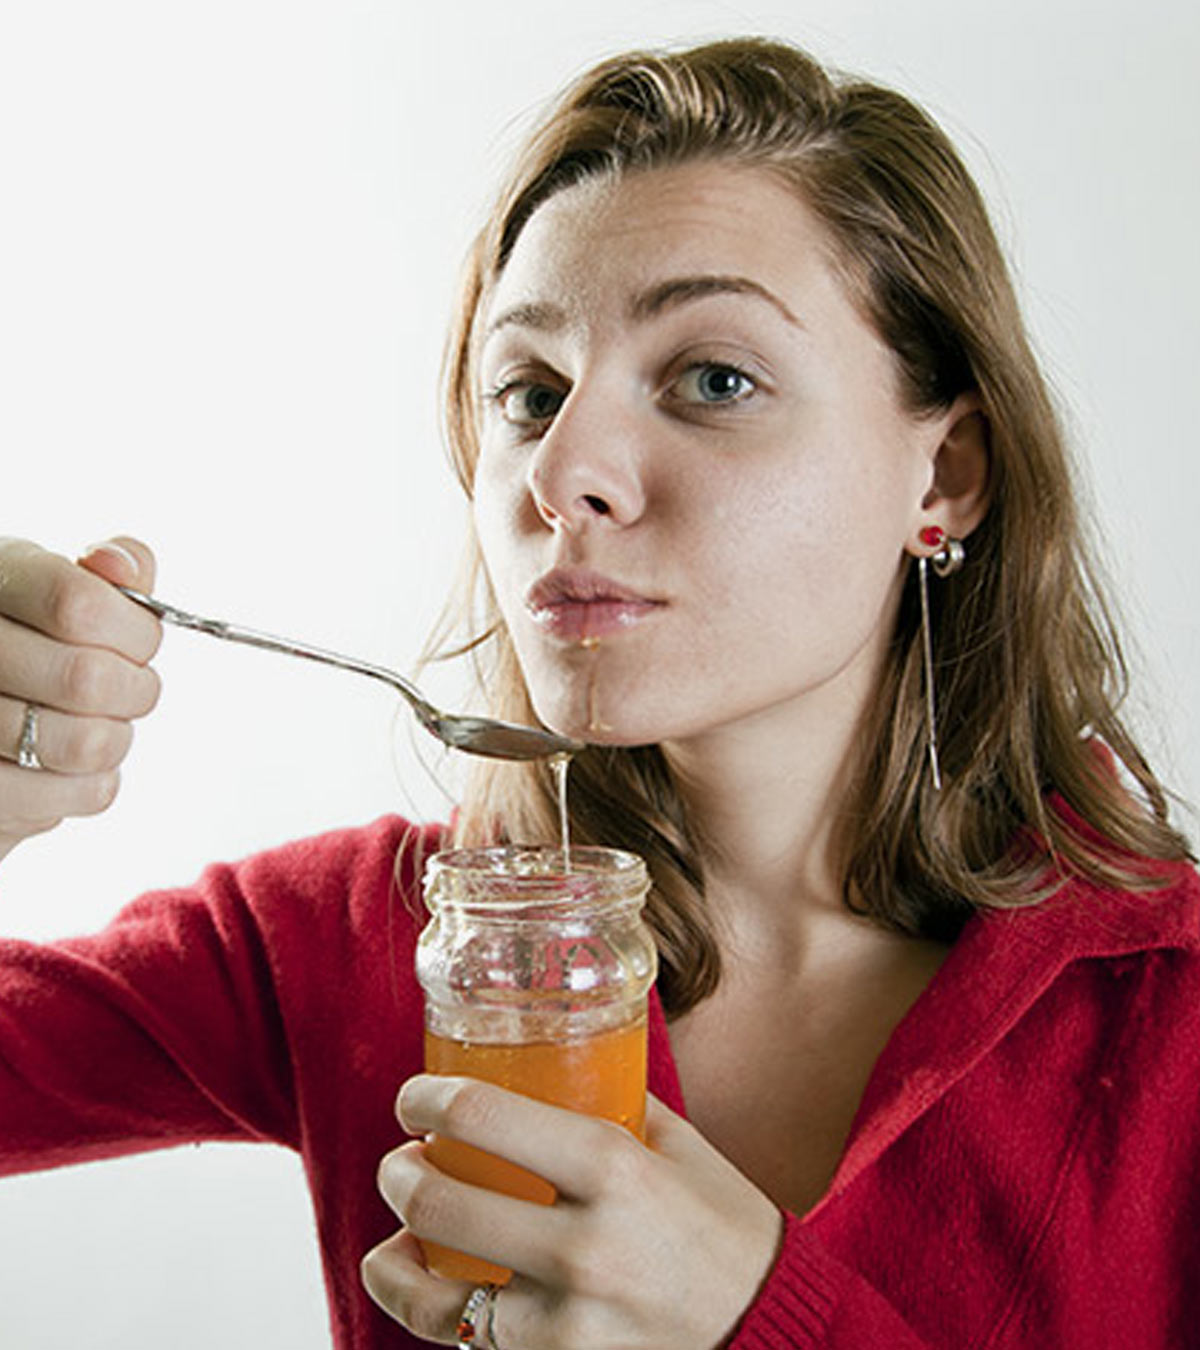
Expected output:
(595, 244)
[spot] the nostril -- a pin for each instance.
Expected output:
(598, 504)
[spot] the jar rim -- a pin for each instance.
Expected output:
(517, 878)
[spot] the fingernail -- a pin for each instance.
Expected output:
(115, 551)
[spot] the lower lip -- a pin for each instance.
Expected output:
(578, 620)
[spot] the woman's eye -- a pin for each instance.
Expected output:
(524, 403)
(712, 382)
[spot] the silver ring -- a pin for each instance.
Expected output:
(492, 1299)
(27, 755)
(481, 1297)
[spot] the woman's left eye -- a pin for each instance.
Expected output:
(713, 383)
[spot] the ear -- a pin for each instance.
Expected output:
(958, 498)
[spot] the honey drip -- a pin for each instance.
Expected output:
(560, 766)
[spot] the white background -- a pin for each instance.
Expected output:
(229, 234)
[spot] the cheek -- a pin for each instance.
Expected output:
(495, 513)
(766, 529)
(814, 549)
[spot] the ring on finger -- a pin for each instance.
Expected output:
(490, 1326)
(27, 753)
(479, 1308)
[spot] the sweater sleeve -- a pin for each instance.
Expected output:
(239, 1008)
(162, 1029)
(811, 1299)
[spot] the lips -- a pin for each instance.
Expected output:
(576, 605)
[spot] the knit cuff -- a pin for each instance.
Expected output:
(795, 1305)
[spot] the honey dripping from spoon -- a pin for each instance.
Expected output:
(560, 766)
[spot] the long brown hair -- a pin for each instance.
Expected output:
(1029, 671)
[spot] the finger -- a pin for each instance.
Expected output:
(33, 800)
(668, 1134)
(64, 743)
(563, 1281)
(394, 1275)
(518, 1234)
(48, 594)
(574, 1152)
(91, 681)
(124, 561)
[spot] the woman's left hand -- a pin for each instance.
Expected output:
(658, 1245)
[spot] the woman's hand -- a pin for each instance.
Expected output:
(660, 1245)
(73, 675)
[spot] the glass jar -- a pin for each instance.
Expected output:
(535, 977)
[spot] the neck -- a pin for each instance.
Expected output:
(766, 796)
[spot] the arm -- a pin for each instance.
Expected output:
(263, 1003)
(163, 1029)
(135, 1037)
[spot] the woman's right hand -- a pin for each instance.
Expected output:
(74, 650)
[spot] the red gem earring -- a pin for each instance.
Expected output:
(949, 553)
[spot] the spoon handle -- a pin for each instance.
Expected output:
(250, 637)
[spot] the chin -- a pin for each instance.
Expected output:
(595, 731)
(601, 702)
(618, 724)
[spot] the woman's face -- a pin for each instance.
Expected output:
(696, 481)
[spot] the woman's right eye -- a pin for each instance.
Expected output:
(525, 402)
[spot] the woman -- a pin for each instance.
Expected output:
(772, 510)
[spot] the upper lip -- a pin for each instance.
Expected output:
(580, 586)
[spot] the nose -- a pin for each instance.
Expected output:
(587, 466)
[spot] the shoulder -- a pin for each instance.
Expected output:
(390, 852)
(1087, 920)
(1135, 982)
(1124, 963)
(323, 888)
(1070, 953)
(347, 884)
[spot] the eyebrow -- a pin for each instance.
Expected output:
(537, 314)
(542, 316)
(682, 290)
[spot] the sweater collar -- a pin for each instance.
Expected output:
(1001, 964)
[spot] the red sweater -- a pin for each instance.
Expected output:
(1022, 1171)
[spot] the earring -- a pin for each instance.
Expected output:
(947, 560)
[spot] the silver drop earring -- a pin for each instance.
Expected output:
(948, 559)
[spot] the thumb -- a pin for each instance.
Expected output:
(122, 560)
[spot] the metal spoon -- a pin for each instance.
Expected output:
(476, 735)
